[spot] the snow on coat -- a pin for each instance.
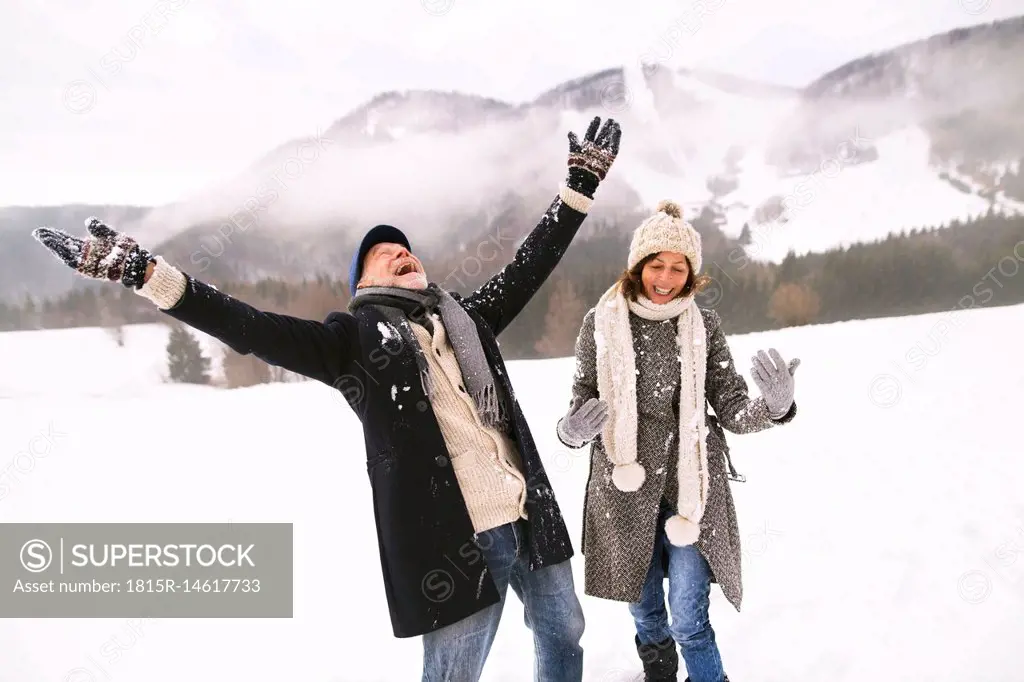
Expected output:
(432, 570)
(619, 527)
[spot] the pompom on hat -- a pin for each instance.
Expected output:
(666, 231)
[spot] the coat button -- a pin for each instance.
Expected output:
(441, 460)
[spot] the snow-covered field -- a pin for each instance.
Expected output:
(884, 527)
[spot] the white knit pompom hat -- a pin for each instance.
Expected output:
(666, 231)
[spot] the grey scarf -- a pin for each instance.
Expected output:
(402, 305)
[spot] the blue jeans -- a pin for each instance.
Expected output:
(457, 653)
(689, 590)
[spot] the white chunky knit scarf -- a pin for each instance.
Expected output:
(616, 383)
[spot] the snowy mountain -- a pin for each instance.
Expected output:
(919, 135)
(393, 115)
(949, 105)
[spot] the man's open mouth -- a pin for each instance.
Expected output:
(405, 269)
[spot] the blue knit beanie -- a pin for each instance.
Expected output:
(376, 235)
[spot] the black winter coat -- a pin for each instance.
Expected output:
(433, 572)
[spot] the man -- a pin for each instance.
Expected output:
(462, 504)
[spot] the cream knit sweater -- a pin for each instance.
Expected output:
(486, 462)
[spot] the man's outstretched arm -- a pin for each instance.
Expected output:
(505, 294)
(314, 349)
(318, 350)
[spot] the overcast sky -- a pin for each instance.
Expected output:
(144, 101)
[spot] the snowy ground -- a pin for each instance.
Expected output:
(883, 528)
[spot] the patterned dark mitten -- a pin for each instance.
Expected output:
(105, 254)
(590, 161)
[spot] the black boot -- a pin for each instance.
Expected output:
(661, 661)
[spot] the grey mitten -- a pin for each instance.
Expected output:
(583, 422)
(775, 380)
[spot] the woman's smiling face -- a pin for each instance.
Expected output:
(664, 276)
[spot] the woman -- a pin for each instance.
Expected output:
(658, 504)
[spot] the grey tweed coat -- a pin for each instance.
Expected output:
(619, 527)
